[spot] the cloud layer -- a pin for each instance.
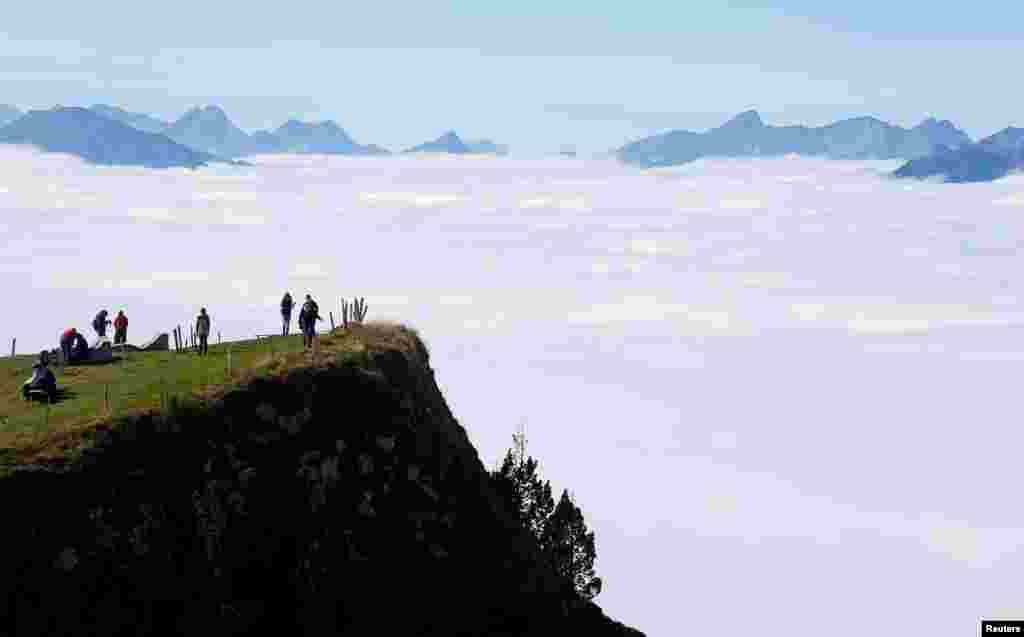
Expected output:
(780, 389)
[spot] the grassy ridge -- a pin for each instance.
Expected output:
(134, 382)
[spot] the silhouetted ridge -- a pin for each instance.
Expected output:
(335, 498)
(98, 140)
(746, 135)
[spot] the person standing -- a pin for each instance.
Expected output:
(308, 316)
(286, 313)
(120, 328)
(203, 331)
(100, 323)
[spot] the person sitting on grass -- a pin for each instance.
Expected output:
(42, 379)
(80, 349)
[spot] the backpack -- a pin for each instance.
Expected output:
(99, 321)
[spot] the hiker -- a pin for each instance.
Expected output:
(203, 331)
(120, 328)
(286, 313)
(79, 348)
(100, 323)
(42, 379)
(66, 340)
(308, 316)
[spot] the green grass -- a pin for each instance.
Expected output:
(144, 381)
(137, 381)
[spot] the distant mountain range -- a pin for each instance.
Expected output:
(99, 140)
(98, 134)
(991, 158)
(141, 121)
(8, 114)
(746, 135)
(105, 134)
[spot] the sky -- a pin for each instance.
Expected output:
(537, 76)
(783, 391)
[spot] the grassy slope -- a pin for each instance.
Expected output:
(140, 381)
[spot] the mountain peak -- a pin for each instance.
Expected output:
(746, 119)
(447, 143)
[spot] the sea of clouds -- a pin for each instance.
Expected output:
(784, 392)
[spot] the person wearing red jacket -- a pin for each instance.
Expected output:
(120, 328)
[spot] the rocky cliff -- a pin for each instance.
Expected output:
(335, 497)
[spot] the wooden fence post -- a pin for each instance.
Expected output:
(332, 320)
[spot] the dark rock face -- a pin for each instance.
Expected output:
(339, 500)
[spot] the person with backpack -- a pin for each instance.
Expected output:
(308, 317)
(203, 331)
(120, 328)
(100, 323)
(286, 313)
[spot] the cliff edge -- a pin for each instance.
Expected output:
(335, 496)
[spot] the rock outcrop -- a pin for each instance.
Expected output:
(336, 498)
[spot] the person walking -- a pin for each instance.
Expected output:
(100, 323)
(286, 313)
(120, 328)
(308, 316)
(203, 331)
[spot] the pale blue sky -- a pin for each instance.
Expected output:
(528, 74)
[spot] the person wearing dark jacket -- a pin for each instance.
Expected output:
(203, 331)
(42, 379)
(100, 323)
(308, 316)
(80, 349)
(67, 338)
(286, 313)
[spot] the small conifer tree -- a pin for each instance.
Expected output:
(560, 531)
(570, 546)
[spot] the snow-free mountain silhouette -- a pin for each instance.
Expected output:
(310, 137)
(99, 140)
(141, 121)
(746, 135)
(991, 158)
(8, 114)
(208, 129)
(447, 143)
